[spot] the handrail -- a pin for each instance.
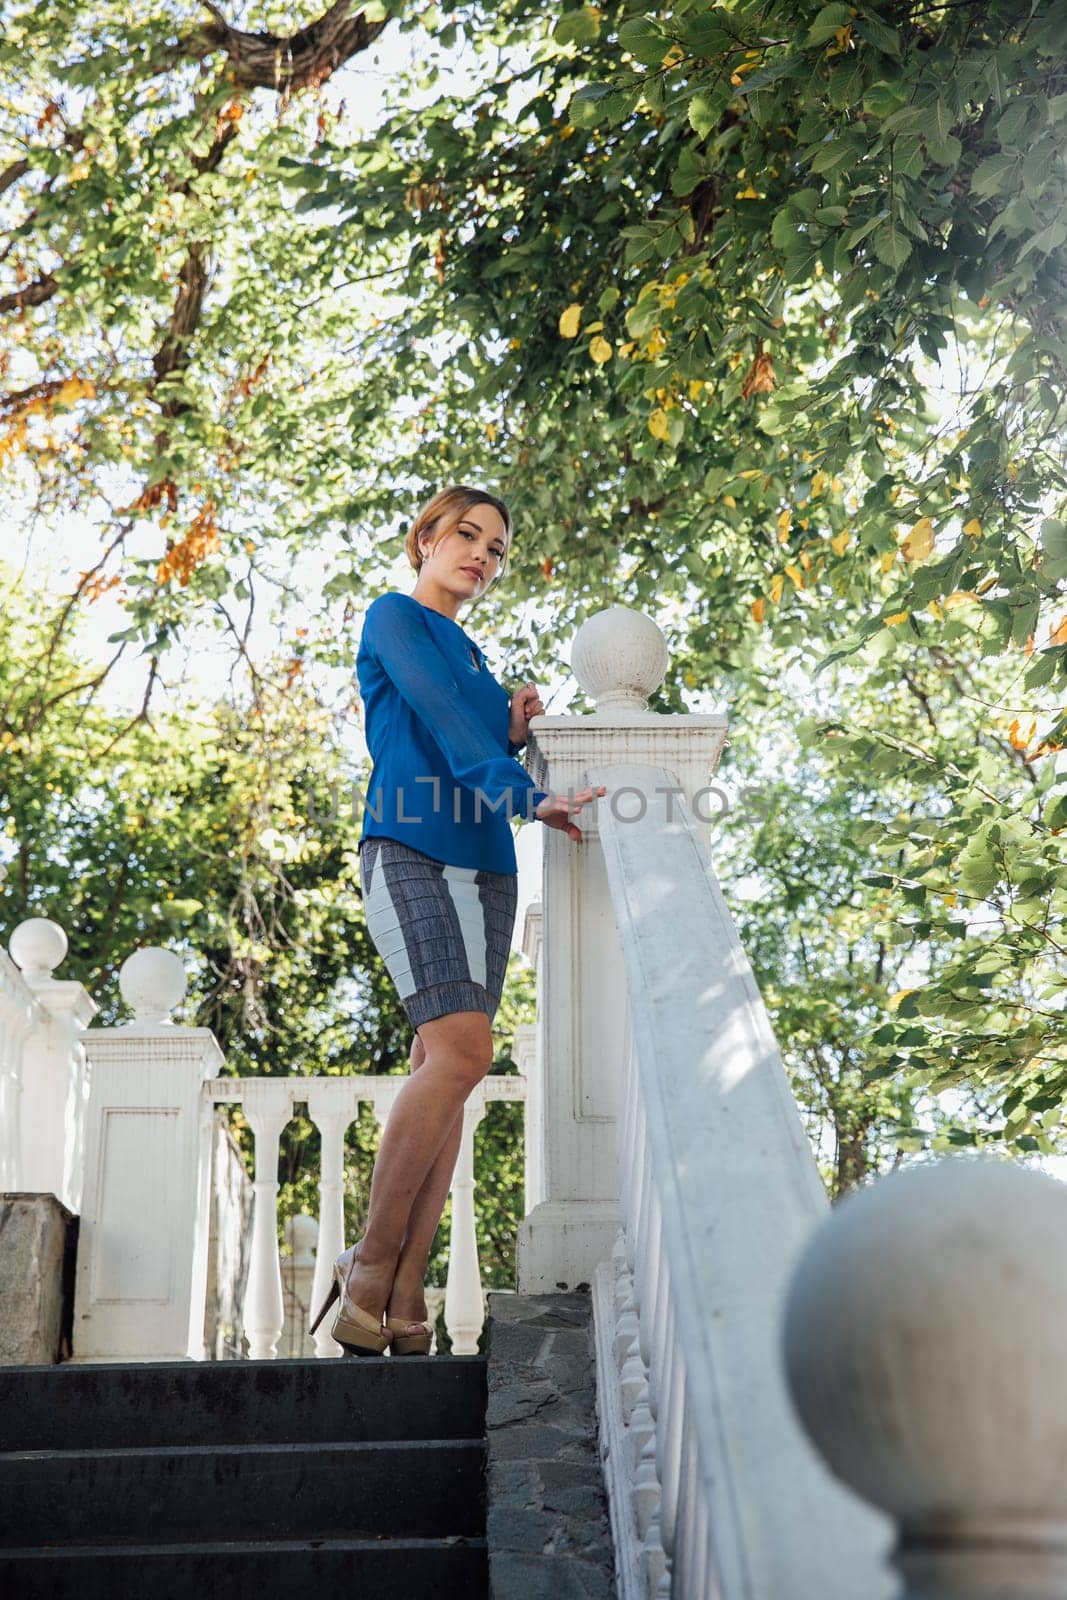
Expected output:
(719, 1192)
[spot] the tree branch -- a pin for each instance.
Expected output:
(286, 64)
(35, 294)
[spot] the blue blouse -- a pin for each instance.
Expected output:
(444, 778)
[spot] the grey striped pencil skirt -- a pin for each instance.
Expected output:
(443, 932)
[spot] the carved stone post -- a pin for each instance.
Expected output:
(619, 658)
(142, 1244)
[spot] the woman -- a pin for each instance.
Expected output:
(439, 888)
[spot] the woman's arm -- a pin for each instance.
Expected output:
(402, 642)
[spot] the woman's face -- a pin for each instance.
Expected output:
(469, 556)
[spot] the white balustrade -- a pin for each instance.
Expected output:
(333, 1104)
(713, 1487)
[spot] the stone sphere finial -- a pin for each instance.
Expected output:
(301, 1235)
(37, 947)
(152, 981)
(923, 1344)
(619, 656)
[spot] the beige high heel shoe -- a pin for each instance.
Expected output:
(356, 1331)
(409, 1344)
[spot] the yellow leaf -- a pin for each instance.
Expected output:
(1058, 634)
(728, 500)
(491, 430)
(805, 561)
(919, 542)
(600, 350)
(568, 322)
(895, 999)
(935, 610)
(748, 193)
(777, 585)
(657, 343)
(796, 575)
(836, 485)
(958, 597)
(696, 388)
(974, 528)
(841, 543)
(898, 616)
(950, 897)
(1018, 740)
(757, 609)
(751, 472)
(818, 484)
(658, 425)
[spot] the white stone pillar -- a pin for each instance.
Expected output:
(267, 1105)
(464, 1307)
(924, 1339)
(143, 1239)
(619, 658)
(55, 1082)
(333, 1104)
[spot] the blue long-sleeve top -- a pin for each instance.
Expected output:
(444, 777)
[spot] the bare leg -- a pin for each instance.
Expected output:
(407, 1298)
(459, 1052)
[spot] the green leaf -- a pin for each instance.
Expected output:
(703, 114)
(827, 21)
(644, 41)
(874, 31)
(892, 246)
(994, 175)
(577, 27)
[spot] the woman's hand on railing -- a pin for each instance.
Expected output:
(556, 809)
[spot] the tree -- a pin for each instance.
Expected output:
(754, 312)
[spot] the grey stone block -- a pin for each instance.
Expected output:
(37, 1241)
(513, 1576)
(548, 1530)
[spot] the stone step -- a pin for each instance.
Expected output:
(107, 1406)
(397, 1569)
(186, 1494)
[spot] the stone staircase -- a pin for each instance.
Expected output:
(244, 1480)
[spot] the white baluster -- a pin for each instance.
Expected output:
(267, 1107)
(464, 1308)
(332, 1104)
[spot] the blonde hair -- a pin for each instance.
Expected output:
(444, 511)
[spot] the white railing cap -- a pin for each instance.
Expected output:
(619, 657)
(924, 1339)
(37, 947)
(153, 983)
